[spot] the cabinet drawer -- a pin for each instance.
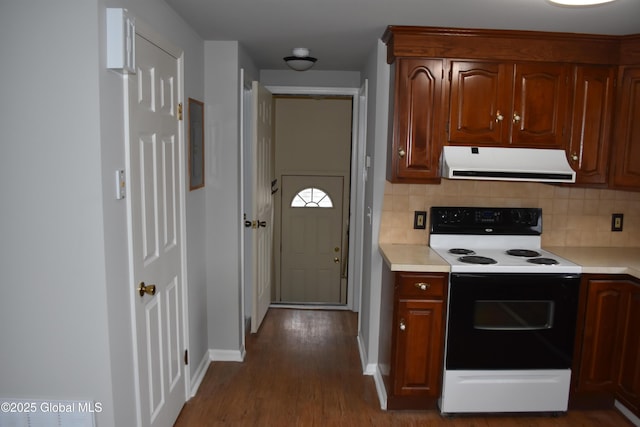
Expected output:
(420, 285)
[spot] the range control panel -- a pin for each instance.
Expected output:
(482, 220)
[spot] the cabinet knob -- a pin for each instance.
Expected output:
(401, 152)
(499, 117)
(403, 326)
(516, 117)
(574, 157)
(422, 286)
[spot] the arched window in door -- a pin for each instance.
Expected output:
(311, 197)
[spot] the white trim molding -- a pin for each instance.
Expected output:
(226, 355)
(199, 374)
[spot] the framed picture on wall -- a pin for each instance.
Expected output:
(196, 144)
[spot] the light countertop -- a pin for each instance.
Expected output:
(602, 260)
(416, 258)
(594, 260)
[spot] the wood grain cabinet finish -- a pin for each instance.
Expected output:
(508, 104)
(519, 89)
(417, 118)
(592, 112)
(608, 341)
(417, 340)
(626, 156)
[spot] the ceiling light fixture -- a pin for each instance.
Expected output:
(580, 2)
(300, 61)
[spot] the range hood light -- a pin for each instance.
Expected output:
(506, 164)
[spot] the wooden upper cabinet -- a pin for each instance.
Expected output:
(625, 172)
(417, 118)
(508, 104)
(592, 111)
(479, 95)
(540, 96)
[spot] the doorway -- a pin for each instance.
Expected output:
(312, 139)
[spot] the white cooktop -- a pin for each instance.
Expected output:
(496, 247)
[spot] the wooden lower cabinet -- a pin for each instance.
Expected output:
(417, 340)
(607, 357)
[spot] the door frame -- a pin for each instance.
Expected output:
(148, 33)
(357, 175)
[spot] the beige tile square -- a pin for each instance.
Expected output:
(400, 189)
(577, 193)
(417, 203)
(388, 187)
(400, 202)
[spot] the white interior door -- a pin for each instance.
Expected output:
(262, 203)
(156, 241)
(311, 257)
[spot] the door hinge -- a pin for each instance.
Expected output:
(186, 357)
(180, 111)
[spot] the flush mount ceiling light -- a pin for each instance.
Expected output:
(300, 61)
(580, 2)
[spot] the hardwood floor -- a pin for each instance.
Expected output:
(303, 369)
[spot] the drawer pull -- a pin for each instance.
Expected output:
(422, 286)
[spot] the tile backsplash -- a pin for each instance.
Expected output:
(571, 216)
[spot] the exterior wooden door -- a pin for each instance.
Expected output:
(311, 260)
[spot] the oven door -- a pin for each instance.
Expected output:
(511, 321)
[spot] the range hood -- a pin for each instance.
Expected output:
(506, 164)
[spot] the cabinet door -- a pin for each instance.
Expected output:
(629, 375)
(539, 111)
(626, 166)
(417, 119)
(588, 151)
(419, 348)
(480, 100)
(604, 320)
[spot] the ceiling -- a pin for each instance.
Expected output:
(342, 33)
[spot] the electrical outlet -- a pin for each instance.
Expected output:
(419, 220)
(616, 221)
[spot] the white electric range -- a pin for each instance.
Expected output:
(511, 312)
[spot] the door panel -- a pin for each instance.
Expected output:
(311, 242)
(539, 105)
(262, 203)
(156, 252)
(479, 102)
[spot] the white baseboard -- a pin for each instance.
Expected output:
(363, 355)
(199, 374)
(382, 392)
(226, 355)
(373, 370)
(627, 413)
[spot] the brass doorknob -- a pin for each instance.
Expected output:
(146, 289)
(336, 260)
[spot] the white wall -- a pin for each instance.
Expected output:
(377, 72)
(318, 78)
(222, 92)
(52, 298)
(64, 294)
